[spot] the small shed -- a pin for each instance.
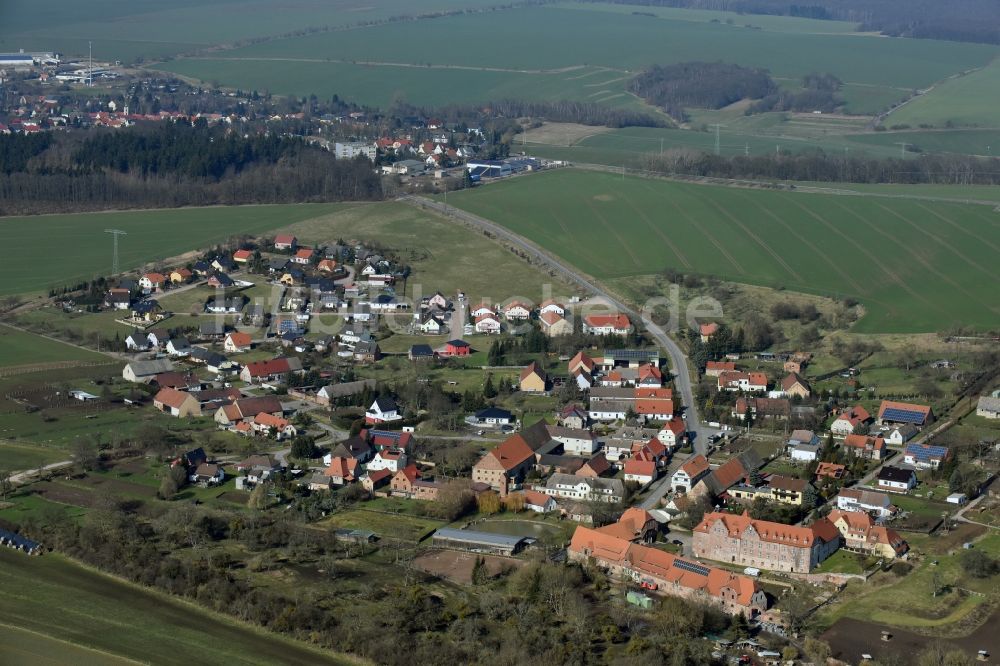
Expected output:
(638, 599)
(957, 498)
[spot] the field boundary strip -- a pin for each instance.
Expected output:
(77, 646)
(26, 369)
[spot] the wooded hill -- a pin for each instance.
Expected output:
(170, 165)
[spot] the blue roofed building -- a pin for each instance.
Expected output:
(925, 456)
(891, 413)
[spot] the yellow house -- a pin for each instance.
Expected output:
(533, 379)
(782, 489)
(180, 275)
(861, 534)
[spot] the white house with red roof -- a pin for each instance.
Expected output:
(285, 242)
(488, 324)
(643, 472)
(849, 420)
(607, 324)
(517, 310)
(389, 459)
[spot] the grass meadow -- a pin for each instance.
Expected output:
(56, 597)
(46, 251)
(916, 266)
(19, 348)
(443, 257)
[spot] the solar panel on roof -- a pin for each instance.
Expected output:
(691, 567)
(903, 415)
(632, 354)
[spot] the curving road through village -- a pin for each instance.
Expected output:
(678, 360)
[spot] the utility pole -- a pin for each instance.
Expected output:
(115, 233)
(902, 148)
(661, 146)
(90, 84)
(746, 150)
(717, 144)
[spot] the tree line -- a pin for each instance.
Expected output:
(817, 165)
(957, 20)
(170, 166)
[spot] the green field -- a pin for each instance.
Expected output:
(58, 598)
(48, 251)
(146, 29)
(29, 648)
(965, 100)
(756, 135)
(592, 37)
(19, 348)
(916, 266)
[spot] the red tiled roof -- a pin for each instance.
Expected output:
(910, 407)
(695, 466)
(240, 339)
(512, 452)
(342, 467)
(709, 328)
(617, 321)
(171, 397)
(270, 421)
(285, 239)
(536, 498)
(583, 359)
(640, 467)
(276, 366)
(772, 532)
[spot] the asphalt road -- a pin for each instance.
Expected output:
(678, 361)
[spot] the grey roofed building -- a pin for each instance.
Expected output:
(206, 356)
(334, 391)
(139, 370)
(277, 265)
(480, 542)
(560, 485)
(421, 351)
(212, 328)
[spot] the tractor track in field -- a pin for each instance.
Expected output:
(704, 232)
(812, 246)
(936, 239)
(757, 239)
(611, 229)
(955, 225)
(895, 277)
(659, 232)
(387, 63)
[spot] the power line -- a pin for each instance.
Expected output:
(115, 233)
(716, 126)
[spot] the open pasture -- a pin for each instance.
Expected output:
(916, 266)
(46, 251)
